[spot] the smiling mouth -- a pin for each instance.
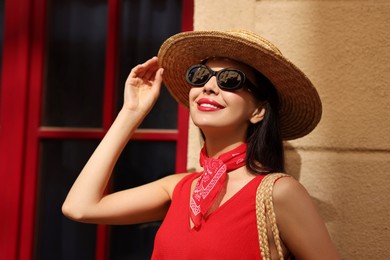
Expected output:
(206, 105)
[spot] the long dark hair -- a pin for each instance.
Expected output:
(265, 153)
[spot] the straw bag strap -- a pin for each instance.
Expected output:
(264, 212)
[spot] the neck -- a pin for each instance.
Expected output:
(220, 140)
(219, 145)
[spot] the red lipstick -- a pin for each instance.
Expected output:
(206, 104)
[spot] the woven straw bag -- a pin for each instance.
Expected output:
(265, 212)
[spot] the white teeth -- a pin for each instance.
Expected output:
(207, 105)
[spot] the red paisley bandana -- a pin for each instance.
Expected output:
(212, 180)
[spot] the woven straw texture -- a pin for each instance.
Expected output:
(300, 106)
(265, 214)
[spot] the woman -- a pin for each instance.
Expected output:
(246, 98)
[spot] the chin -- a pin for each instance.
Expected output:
(207, 120)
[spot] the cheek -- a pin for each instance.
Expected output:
(244, 104)
(242, 100)
(194, 92)
(192, 95)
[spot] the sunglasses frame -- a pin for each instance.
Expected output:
(213, 73)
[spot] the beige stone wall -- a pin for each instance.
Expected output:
(344, 48)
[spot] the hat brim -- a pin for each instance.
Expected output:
(300, 106)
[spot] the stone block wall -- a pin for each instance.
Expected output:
(344, 48)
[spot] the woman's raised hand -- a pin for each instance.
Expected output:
(143, 86)
(86, 201)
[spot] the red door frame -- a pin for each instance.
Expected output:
(20, 110)
(13, 123)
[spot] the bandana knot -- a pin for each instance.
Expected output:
(212, 180)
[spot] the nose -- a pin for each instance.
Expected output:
(211, 86)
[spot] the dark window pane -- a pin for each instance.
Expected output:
(140, 163)
(75, 63)
(145, 25)
(56, 236)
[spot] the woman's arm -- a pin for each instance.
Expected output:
(301, 227)
(86, 201)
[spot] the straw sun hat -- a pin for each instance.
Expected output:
(300, 106)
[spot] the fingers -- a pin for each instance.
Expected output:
(151, 72)
(146, 70)
(159, 77)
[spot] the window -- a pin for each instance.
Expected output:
(72, 58)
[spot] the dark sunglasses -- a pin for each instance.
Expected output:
(227, 79)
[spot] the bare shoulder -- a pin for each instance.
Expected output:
(290, 197)
(300, 224)
(169, 182)
(287, 189)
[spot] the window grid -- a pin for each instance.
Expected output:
(21, 128)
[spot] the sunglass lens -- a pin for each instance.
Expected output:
(198, 75)
(230, 79)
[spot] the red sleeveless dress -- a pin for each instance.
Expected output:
(229, 232)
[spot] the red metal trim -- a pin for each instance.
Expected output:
(183, 116)
(30, 180)
(187, 23)
(102, 245)
(74, 133)
(111, 62)
(182, 140)
(70, 133)
(14, 95)
(154, 135)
